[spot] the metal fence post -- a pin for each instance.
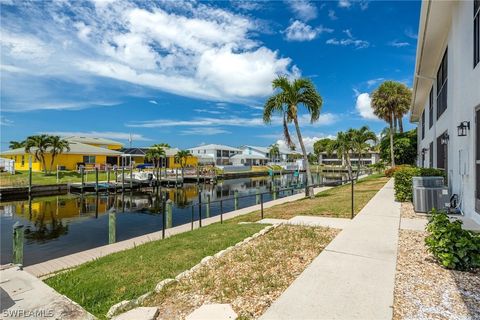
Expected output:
(274, 192)
(353, 209)
(235, 200)
(193, 211)
(96, 179)
(257, 196)
(221, 211)
(200, 209)
(169, 217)
(18, 235)
(112, 220)
(164, 219)
(261, 205)
(58, 180)
(207, 212)
(82, 172)
(123, 176)
(108, 175)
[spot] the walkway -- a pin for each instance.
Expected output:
(25, 297)
(353, 278)
(75, 259)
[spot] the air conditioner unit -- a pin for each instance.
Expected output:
(426, 199)
(428, 182)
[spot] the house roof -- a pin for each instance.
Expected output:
(75, 148)
(435, 20)
(261, 149)
(93, 140)
(215, 147)
(248, 156)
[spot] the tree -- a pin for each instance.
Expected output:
(360, 138)
(343, 146)
(155, 153)
(388, 102)
(40, 144)
(181, 157)
(322, 145)
(16, 144)
(57, 146)
(285, 102)
(404, 145)
(274, 151)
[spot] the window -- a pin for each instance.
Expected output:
(476, 32)
(89, 159)
(442, 152)
(219, 153)
(225, 153)
(423, 124)
(430, 154)
(442, 88)
(23, 161)
(430, 109)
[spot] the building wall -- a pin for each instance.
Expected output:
(462, 101)
(68, 161)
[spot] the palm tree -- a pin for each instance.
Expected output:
(181, 157)
(16, 144)
(291, 94)
(343, 146)
(58, 146)
(155, 153)
(388, 102)
(40, 143)
(322, 145)
(274, 151)
(360, 138)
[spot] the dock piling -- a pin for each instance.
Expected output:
(30, 175)
(82, 171)
(18, 237)
(96, 179)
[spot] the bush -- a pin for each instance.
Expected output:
(391, 171)
(403, 180)
(404, 147)
(452, 246)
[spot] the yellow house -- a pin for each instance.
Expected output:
(80, 154)
(96, 142)
(138, 157)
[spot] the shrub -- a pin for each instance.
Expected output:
(452, 246)
(391, 171)
(403, 180)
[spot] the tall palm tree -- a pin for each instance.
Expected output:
(322, 145)
(181, 157)
(16, 144)
(388, 101)
(343, 146)
(57, 146)
(40, 144)
(155, 154)
(274, 151)
(360, 138)
(285, 102)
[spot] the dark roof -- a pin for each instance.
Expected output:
(135, 151)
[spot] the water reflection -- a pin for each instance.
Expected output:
(61, 225)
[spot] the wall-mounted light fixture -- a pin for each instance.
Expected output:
(463, 128)
(445, 138)
(424, 151)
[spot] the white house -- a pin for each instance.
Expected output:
(283, 155)
(370, 157)
(220, 154)
(446, 96)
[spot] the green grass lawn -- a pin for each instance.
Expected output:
(126, 275)
(335, 202)
(20, 178)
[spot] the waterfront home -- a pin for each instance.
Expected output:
(446, 96)
(137, 155)
(283, 156)
(79, 154)
(220, 154)
(96, 142)
(367, 158)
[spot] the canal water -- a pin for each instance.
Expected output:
(56, 226)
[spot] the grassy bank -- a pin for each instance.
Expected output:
(99, 284)
(250, 277)
(20, 178)
(335, 202)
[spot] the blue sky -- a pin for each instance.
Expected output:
(187, 72)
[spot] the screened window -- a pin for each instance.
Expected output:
(476, 32)
(88, 159)
(430, 109)
(430, 155)
(423, 124)
(442, 88)
(219, 153)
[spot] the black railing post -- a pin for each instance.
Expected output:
(261, 205)
(221, 211)
(193, 211)
(200, 209)
(164, 216)
(353, 209)
(96, 179)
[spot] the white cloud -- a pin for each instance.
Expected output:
(101, 134)
(299, 31)
(246, 5)
(364, 106)
(153, 101)
(307, 141)
(191, 50)
(303, 9)
(208, 111)
(349, 41)
(204, 131)
(398, 44)
(344, 3)
(331, 15)
(409, 33)
(372, 82)
(5, 122)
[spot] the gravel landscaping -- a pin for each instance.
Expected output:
(425, 290)
(407, 212)
(250, 277)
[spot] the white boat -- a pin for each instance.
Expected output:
(140, 177)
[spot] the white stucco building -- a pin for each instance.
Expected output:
(370, 157)
(446, 96)
(220, 154)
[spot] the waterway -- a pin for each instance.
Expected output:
(56, 226)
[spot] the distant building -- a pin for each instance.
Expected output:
(370, 157)
(446, 96)
(283, 156)
(220, 154)
(138, 157)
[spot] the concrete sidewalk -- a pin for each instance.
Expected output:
(354, 277)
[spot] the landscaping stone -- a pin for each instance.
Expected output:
(206, 259)
(119, 307)
(141, 313)
(213, 312)
(162, 284)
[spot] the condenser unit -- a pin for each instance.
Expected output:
(426, 199)
(427, 182)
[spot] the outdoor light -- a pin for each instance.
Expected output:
(424, 150)
(463, 128)
(445, 138)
